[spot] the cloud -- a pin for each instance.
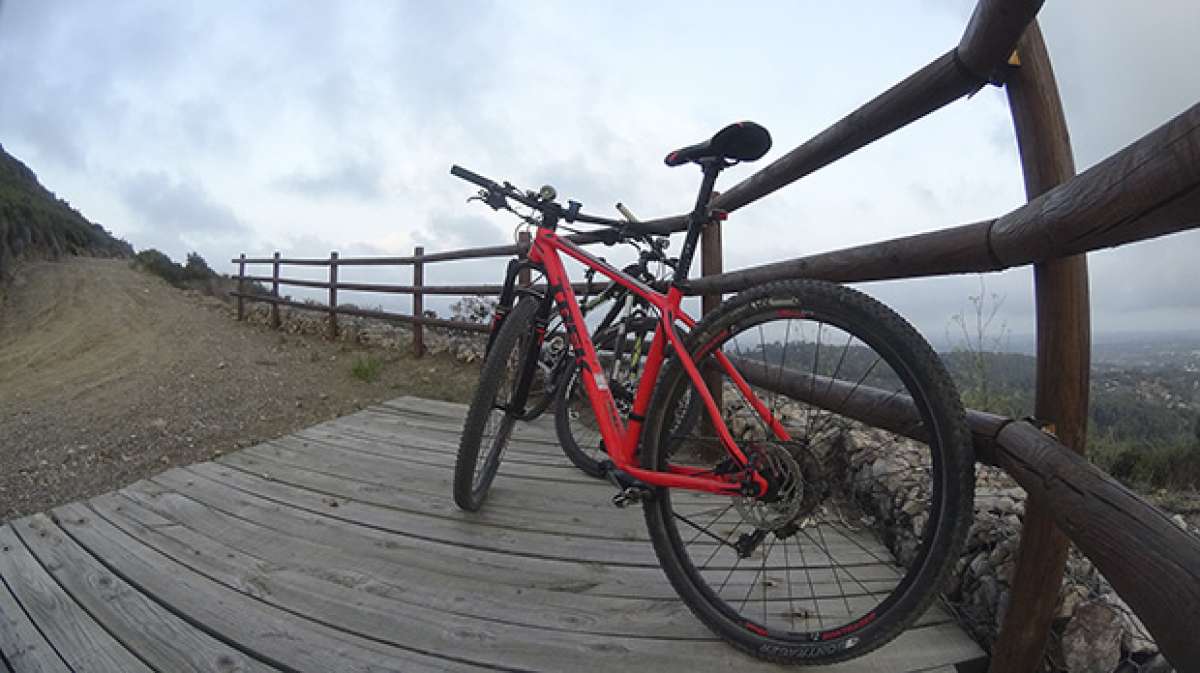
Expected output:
(223, 126)
(177, 215)
(352, 178)
(459, 231)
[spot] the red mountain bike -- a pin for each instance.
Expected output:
(812, 513)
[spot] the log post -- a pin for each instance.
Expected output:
(418, 280)
(241, 286)
(711, 264)
(524, 278)
(1063, 358)
(333, 279)
(275, 321)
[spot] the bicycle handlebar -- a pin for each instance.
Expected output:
(507, 190)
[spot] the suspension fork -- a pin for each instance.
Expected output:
(507, 297)
(533, 351)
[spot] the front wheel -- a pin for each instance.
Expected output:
(492, 414)
(870, 487)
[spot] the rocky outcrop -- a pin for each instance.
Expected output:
(1094, 632)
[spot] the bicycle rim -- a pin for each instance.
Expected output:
(850, 544)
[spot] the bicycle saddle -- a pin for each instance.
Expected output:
(741, 141)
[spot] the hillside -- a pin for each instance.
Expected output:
(109, 375)
(36, 224)
(1143, 416)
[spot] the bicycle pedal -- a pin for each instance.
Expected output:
(627, 497)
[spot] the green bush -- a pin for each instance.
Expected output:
(195, 274)
(159, 264)
(1160, 463)
(366, 368)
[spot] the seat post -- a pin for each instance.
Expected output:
(698, 217)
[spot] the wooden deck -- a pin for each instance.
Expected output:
(339, 549)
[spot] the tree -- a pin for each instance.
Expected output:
(196, 268)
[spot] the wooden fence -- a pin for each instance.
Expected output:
(710, 251)
(1148, 189)
(417, 289)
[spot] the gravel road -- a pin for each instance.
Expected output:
(109, 375)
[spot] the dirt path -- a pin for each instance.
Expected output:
(109, 375)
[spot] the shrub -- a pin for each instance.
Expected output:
(366, 368)
(159, 264)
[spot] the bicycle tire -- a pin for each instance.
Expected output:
(574, 422)
(818, 480)
(500, 375)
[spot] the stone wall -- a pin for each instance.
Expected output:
(1094, 632)
(372, 332)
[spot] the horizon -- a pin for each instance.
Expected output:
(228, 128)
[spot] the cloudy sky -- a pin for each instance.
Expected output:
(306, 127)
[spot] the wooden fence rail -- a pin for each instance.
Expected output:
(1149, 189)
(710, 249)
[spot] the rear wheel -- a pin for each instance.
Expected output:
(861, 523)
(574, 421)
(491, 416)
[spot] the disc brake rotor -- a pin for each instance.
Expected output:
(785, 499)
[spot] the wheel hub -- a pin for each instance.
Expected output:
(784, 499)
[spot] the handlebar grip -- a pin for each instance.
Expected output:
(460, 172)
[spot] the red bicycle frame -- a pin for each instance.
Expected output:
(621, 438)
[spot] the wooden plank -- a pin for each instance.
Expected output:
(459, 528)
(160, 638)
(80, 641)
(562, 575)
(1063, 349)
(22, 645)
(515, 469)
(1153, 564)
(641, 584)
(331, 559)
(409, 403)
(429, 448)
(285, 639)
(536, 439)
(469, 589)
(369, 610)
(589, 513)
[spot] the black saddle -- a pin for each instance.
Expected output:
(742, 141)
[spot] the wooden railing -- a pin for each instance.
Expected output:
(418, 290)
(1148, 189)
